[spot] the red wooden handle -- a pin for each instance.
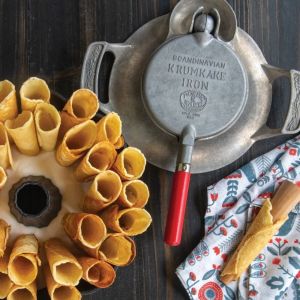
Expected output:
(175, 220)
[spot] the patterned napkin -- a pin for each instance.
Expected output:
(232, 204)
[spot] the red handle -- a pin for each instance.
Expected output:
(175, 220)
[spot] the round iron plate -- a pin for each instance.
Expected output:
(160, 148)
(195, 79)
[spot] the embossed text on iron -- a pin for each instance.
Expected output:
(197, 72)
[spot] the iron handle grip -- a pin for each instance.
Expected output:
(175, 219)
(292, 120)
(292, 123)
(92, 64)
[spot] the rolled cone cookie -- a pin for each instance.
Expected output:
(28, 292)
(259, 233)
(64, 266)
(82, 106)
(117, 249)
(3, 178)
(134, 193)
(24, 261)
(57, 291)
(76, 142)
(91, 252)
(85, 229)
(120, 143)
(104, 190)
(130, 164)
(4, 235)
(8, 101)
(22, 131)
(97, 272)
(47, 123)
(99, 158)
(6, 160)
(5, 282)
(34, 91)
(129, 221)
(109, 128)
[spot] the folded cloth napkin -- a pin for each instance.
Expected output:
(232, 204)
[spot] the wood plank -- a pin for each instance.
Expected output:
(48, 38)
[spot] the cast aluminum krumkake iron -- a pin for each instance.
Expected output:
(194, 92)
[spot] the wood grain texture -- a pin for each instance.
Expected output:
(48, 38)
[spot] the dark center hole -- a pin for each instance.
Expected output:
(32, 199)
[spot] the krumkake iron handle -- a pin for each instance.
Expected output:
(92, 65)
(183, 17)
(176, 213)
(292, 120)
(180, 187)
(292, 123)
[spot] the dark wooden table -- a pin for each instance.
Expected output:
(48, 38)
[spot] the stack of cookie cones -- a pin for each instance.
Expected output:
(112, 209)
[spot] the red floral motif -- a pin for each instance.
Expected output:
(191, 262)
(292, 152)
(193, 276)
(215, 267)
(223, 230)
(229, 204)
(298, 275)
(194, 291)
(234, 176)
(265, 195)
(285, 148)
(217, 250)
(296, 241)
(278, 240)
(214, 197)
(222, 217)
(252, 293)
(270, 241)
(224, 257)
(276, 261)
(234, 223)
(285, 241)
(210, 290)
(255, 211)
(209, 228)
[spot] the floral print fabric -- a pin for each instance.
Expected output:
(232, 204)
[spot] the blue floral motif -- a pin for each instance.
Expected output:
(276, 282)
(209, 274)
(279, 297)
(264, 180)
(288, 225)
(233, 203)
(296, 289)
(201, 250)
(263, 163)
(249, 171)
(232, 188)
(295, 262)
